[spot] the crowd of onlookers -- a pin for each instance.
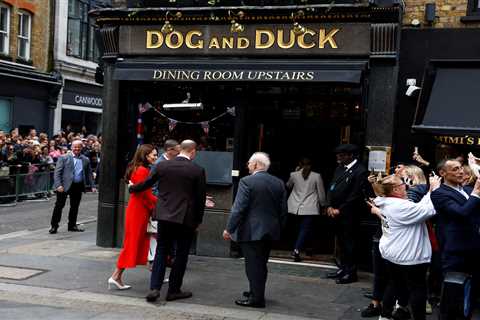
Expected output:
(27, 156)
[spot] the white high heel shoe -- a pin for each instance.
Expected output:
(113, 282)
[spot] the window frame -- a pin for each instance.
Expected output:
(21, 37)
(6, 50)
(88, 50)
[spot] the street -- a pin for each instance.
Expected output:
(64, 276)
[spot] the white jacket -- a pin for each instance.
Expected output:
(404, 238)
(308, 195)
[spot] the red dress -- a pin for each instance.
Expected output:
(136, 241)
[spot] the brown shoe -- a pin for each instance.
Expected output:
(171, 296)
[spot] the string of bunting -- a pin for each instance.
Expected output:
(172, 123)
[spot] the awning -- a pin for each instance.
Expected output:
(16, 72)
(240, 70)
(450, 103)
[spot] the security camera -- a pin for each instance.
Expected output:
(411, 90)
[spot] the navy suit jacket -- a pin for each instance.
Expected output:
(458, 219)
(259, 209)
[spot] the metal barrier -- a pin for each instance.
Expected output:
(36, 184)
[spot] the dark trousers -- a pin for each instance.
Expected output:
(380, 278)
(75, 194)
(346, 229)
(256, 255)
(170, 233)
(306, 227)
(466, 262)
(414, 277)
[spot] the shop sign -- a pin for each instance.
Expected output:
(460, 140)
(80, 99)
(268, 39)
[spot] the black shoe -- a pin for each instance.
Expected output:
(246, 294)
(401, 313)
(53, 230)
(371, 311)
(153, 295)
(249, 303)
(75, 229)
(348, 278)
(296, 256)
(337, 274)
(171, 296)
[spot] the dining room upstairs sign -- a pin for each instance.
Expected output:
(349, 39)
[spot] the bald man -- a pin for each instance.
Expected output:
(179, 211)
(71, 177)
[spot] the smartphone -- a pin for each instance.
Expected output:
(415, 150)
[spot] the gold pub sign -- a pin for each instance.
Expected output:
(270, 39)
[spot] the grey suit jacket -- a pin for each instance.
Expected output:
(64, 170)
(259, 209)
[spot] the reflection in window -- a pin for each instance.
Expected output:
(81, 31)
(473, 8)
(4, 29)
(5, 109)
(24, 34)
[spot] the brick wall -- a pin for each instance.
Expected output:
(40, 30)
(449, 13)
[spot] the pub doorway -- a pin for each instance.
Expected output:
(288, 121)
(296, 120)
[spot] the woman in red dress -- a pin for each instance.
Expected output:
(136, 241)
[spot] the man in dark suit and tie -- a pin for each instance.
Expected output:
(458, 212)
(179, 212)
(345, 199)
(72, 175)
(258, 215)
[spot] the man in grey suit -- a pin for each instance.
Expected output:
(258, 214)
(72, 174)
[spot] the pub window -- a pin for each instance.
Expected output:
(5, 112)
(81, 31)
(4, 29)
(473, 8)
(24, 35)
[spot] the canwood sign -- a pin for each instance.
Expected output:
(270, 39)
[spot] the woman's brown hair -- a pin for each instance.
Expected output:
(139, 159)
(306, 166)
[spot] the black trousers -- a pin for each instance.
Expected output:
(256, 255)
(380, 278)
(168, 235)
(415, 278)
(346, 229)
(75, 194)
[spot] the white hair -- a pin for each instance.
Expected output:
(77, 141)
(261, 158)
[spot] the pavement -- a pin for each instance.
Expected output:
(64, 276)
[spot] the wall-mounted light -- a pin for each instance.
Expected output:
(235, 26)
(167, 26)
(298, 29)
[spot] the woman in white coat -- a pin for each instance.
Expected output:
(305, 201)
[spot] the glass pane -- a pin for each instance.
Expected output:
(5, 106)
(74, 8)
(22, 48)
(25, 25)
(3, 44)
(3, 19)
(73, 37)
(84, 39)
(84, 12)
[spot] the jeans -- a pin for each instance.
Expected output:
(306, 227)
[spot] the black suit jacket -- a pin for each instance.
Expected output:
(181, 191)
(259, 209)
(348, 188)
(458, 219)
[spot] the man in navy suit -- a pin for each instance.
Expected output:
(458, 211)
(258, 215)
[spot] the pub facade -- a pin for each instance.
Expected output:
(293, 80)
